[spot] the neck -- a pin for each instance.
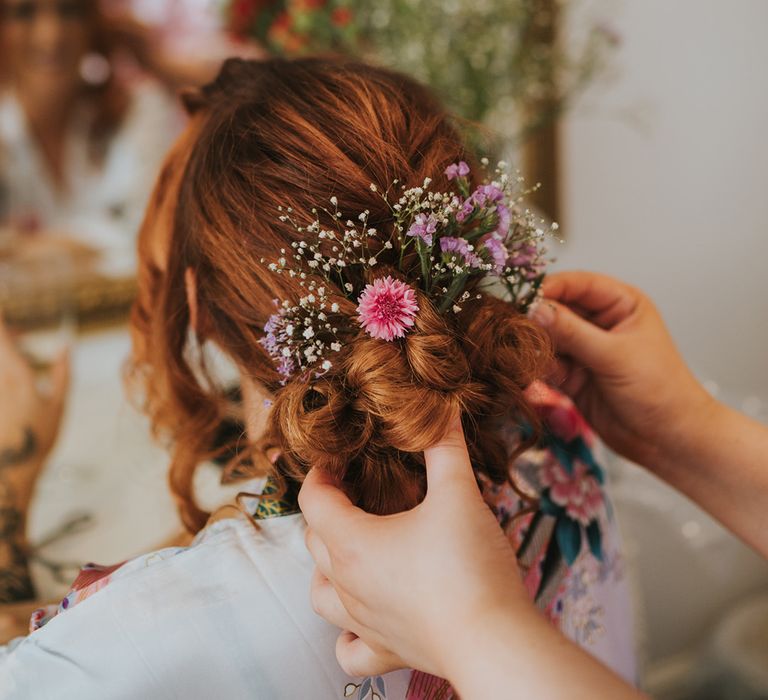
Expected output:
(255, 407)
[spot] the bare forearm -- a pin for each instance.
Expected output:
(526, 653)
(720, 461)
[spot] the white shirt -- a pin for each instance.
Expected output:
(228, 618)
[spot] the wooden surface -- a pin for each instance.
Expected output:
(540, 149)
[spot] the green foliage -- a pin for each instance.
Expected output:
(495, 63)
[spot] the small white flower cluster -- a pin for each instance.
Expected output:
(333, 251)
(299, 337)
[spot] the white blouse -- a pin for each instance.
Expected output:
(229, 617)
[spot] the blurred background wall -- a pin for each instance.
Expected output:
(664, 175)
(663, 172)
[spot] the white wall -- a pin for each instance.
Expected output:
(666, 178)
(665, 182)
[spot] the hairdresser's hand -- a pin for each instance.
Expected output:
(620, 365)
(414, 582)
(30, 417)
(437, 588)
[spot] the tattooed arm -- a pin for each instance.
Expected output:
(12, 456)
(15, 580)
(29, 424)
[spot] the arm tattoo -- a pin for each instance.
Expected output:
(15, 579)
(11, 456)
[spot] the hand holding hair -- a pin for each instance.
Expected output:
(401, 597)
(438, 588)
(618, 362)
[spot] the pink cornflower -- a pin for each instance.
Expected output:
(460, 169)
(386, 308)
(579, 493)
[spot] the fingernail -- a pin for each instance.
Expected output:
(543, 314)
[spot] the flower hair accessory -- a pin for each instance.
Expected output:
(438, 244)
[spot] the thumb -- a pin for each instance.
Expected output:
(326, 508)
(448, 462)
(572, 335)
(359, 660)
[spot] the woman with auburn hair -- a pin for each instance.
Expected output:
(321, 223)
(79, 145)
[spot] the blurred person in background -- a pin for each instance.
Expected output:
(87, 112)
(79, 144)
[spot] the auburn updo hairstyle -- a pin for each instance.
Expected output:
(294, 134)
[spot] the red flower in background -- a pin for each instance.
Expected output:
(308, 5)
(341, 16)
(282, 34)
(281, 24)
(290, 27)
(244, 12)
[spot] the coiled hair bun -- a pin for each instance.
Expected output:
(368, 421)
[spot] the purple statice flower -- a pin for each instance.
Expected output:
(285, 367)
(272, 330)
(524, 255)
(527, 258)
(276, 341)
(465, 211)
(505, 219)
(497, 252)
(485, 194)
(460, 169)
(458, 246)
(423, 227)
